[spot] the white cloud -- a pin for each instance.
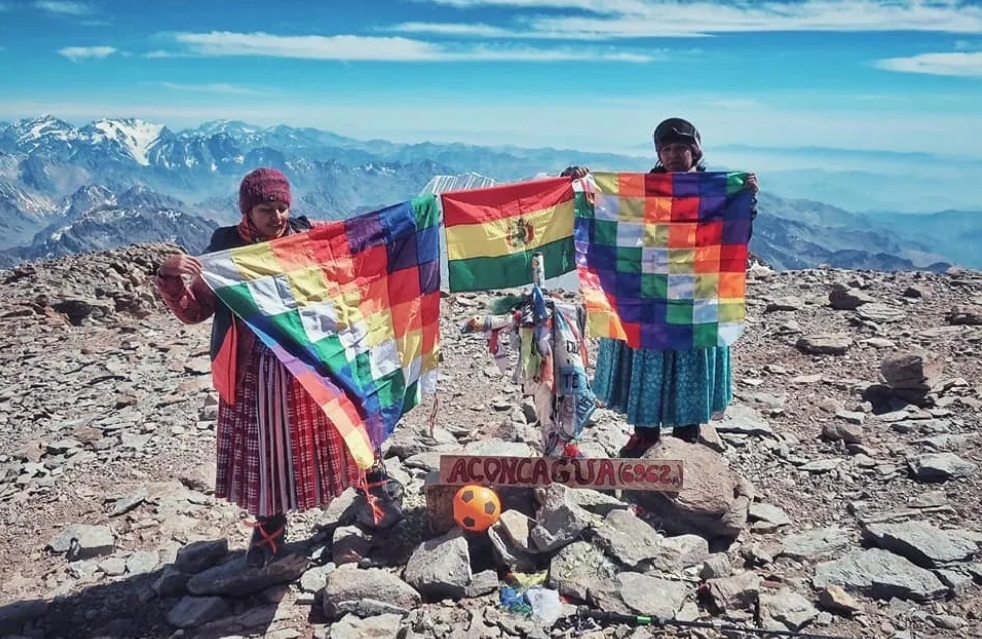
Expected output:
(219, 87)
(612, 19)
(455, 28)
(66, 7)
(392, 49)
(76, 54)
(161, 54)
(966, 45)
(596, 6)
(953, 64)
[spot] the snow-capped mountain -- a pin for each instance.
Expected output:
(22, 212)
(96, 219)
(131, 138)
(45, 134)
(87, 198)
(116, 181)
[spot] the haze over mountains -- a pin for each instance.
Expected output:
(67, 189)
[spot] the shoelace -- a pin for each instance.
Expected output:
(265, 537)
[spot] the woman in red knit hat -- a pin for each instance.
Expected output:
(276, 450)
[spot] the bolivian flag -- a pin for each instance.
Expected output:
(493, 232)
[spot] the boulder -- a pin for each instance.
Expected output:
(714, 500)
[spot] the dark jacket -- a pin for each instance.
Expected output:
(224, 238)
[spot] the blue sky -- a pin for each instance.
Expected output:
(897, 75)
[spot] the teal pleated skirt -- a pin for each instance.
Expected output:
(663, 388)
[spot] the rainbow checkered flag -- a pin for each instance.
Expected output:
(351, 308)
(662, 257)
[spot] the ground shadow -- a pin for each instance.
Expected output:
(131, 608)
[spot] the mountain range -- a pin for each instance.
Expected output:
(67, 189)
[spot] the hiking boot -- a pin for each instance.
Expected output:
(639, 443)
(688, 433)
(380, 506)
(268, 538)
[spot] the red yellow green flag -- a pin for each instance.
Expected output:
(492, 233)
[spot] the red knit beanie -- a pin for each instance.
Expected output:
(261, 186)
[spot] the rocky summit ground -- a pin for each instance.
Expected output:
(839, 495)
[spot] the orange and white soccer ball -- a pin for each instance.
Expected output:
(476, 508)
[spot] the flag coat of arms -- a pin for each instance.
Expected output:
(491, 233)
(351, 308)
(662, 257)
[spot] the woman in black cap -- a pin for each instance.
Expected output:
(658, 389)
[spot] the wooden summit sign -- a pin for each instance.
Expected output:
(598, 474)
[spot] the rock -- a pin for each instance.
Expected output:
(767, 517)
(680, 552)
(833, 598)
(852, 417)
(837, 431)
(560, 520)
(918, 291)
(843, 298)
(350, 545)
(715, 566)
(515, 526)
(817, 543)
(916, 371)
(191, 612)
(347, 586)
(81, 541)
(745, 421)
(739, 592)
(595, 502)
(824, 344)
(713, 502)
(880, 342)
(630, 540)
(965, 316)
(880, 574)
(923, 544)
(235, 579)
(940, 466)
(787, 607)
(508, 554)
(315, 578)
(171, 582)
(440, 568)
(819, 466)
(380, 627)
(958, 581)
(640, 594)
(576, 566)
(881, 313)
(943, 442)
(784, 304)
(200, 555)
(78, 309)
(128, 503)
(142, 561)
(947, 622)
(483, 583)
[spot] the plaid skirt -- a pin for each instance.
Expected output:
(277, 451)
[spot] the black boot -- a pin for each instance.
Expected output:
(268, 537)
(640, 442)
(378, 504)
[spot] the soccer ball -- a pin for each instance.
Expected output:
(476, 508)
